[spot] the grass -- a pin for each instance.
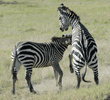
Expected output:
(37, 21)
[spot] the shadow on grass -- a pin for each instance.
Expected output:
(18, 3)
(12, 3)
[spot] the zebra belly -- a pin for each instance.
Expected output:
(33, 61)
(78, 60)
(41, 62)
(42, 65)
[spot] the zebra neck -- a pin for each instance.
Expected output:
(74, 23)
(76, 32)
(61, 47)
(76, 28)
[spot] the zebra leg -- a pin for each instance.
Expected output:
(96, 79)
(28, 78)
(77, 71)
(94, 67)
(58, 69)
(71, 66)
(14, 70)
(56, 76)
(14, 77)
(95, 71)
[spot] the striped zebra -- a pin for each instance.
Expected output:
(84, 48)
(38, 55)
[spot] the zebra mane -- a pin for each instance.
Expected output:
(64, 9)
(65, 39)
(56, 39)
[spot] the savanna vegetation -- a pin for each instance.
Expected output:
(37, 20)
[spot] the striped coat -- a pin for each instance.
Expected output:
(38, 55)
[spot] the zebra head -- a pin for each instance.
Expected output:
(62, 40)
(66, 17)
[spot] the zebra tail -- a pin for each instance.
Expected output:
(84, 73)
(14, 60)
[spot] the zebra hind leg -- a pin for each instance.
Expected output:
(14, 70)
(14, 77)
(28, 78)
(79, 81)
(78, 77)
(95, 71)
(71, 66)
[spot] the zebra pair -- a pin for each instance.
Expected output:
(34, 55)
(38, 55)
(84, 48)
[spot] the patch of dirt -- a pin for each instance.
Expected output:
(49, 85)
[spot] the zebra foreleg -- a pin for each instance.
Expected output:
(71, 66)
(56, 76)
(28, 78)
(58, 69)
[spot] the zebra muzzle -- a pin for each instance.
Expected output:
(66, 29)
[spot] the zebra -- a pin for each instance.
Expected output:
(38, 55)
(83, 49)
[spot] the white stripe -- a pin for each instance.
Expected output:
(76, 50)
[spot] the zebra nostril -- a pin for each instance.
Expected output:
(66, 29)
(61, 29)
(59, 18)
(63, 35)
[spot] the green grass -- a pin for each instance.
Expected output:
(37, 21)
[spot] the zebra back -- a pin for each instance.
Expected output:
(41, 54)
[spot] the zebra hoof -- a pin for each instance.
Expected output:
(13, 92)
(71, 70)
(60, 86)
(77, 87)
(97, 83)
(34, 92)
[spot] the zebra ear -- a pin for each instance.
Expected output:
(52, 39)
(62, 5)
